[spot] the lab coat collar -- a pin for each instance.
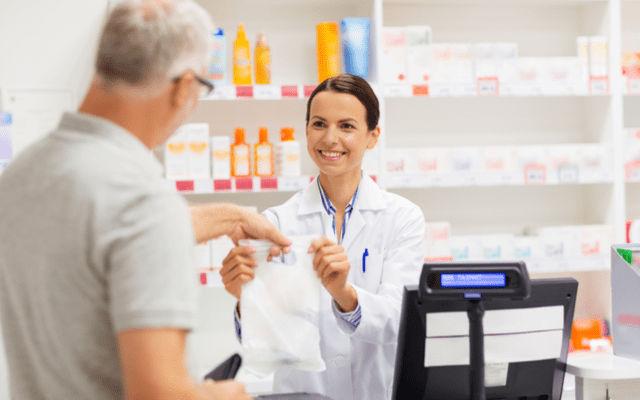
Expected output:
(370, 197)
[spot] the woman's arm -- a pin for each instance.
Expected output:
(402, 263)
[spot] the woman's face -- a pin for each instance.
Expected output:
(337, 133)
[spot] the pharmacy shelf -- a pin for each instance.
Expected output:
(260, 92)
(210, 277)
(240, 185)
(426, 181)
(490, 88)
(390, 91)
(500, 2)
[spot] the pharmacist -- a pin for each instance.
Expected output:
(96, 288)
(370, 244)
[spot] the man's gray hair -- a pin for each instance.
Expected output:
(145, 42)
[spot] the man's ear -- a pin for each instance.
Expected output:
(373, 138)
(181, 92)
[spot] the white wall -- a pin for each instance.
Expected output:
(46, 60)
(46, 63)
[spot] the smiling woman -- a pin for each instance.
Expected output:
(342, 123)
(370, 244)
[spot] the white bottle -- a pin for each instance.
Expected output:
(176, 156)
(198, 151)
(288, 154)
(220, 157)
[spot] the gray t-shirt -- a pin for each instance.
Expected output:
(92, 243)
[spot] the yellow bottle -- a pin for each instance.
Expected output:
(263, 155)
(240, 156)
(262, 58)
(328, 50)
(241, 58)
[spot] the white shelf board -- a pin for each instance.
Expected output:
(292, 92)
(398, 184)
(540, 3)
(250, 185)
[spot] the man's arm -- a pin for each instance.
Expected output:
(213, 220)
(217, 219)
(153, 368)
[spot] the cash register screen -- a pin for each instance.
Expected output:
(473, 280)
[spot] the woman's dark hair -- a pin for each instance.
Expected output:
(353, 85)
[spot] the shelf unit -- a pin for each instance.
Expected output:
(630, 41)
(413, 117)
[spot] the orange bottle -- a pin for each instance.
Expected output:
(241, 58)
(240, 155)
(328, 50)
(263, 155)
(262, 60)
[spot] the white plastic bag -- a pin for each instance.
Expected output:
(280, 311)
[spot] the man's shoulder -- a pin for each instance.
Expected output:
(88, 167)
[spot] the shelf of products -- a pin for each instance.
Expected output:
(240, 185)
(562, 248)
(260, 92)
(497, 166)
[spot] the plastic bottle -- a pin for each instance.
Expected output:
(355, 45)
(263, 155)
(217, 57)
(262, 58)
(241, 58)
(240, 155)
(328, 50)
(288, 155)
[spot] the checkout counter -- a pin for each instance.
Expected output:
(455, 310)
(615, 376)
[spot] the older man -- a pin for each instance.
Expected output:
(96, 287)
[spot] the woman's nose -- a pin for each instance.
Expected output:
(331, 135)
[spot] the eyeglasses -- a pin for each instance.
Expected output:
(207, 87)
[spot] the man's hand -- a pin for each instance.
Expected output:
(331, 264)
(255, 226)
(223, 390)
(214, 220)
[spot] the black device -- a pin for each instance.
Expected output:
(476, 280)
(475, 283)
(496, 284)
(228, 369)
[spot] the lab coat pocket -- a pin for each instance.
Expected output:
(371, 271)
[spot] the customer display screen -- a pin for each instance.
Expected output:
(473, 280)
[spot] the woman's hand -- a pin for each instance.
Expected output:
(331, 264)
(238, 268)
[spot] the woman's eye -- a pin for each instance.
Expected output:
(347, 126)
(318, 124)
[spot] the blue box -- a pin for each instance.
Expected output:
(6, 149)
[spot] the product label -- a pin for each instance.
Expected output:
(263, 162)
(242, 57)
(198, 147)
(176, 148)
(241, 160)
(292, 158)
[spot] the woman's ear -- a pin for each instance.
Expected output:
(374, 135)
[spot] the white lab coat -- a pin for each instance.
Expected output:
(360, 363)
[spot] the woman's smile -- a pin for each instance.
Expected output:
(331, 155)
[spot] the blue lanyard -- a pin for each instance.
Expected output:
(331, 211)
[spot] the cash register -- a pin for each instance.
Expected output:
(483, 331)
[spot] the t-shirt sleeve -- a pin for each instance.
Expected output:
(149, 265)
